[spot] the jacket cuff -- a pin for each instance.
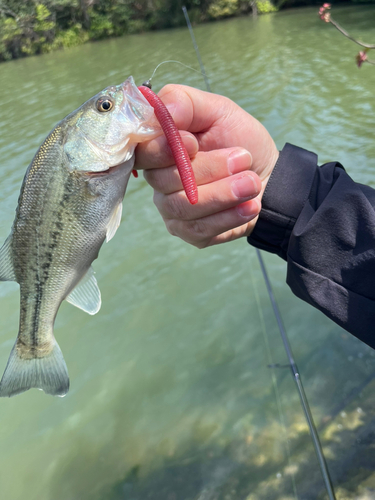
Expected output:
(286, 193)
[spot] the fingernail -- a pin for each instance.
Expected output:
(239, 161)
(248, 209)
(244, 187)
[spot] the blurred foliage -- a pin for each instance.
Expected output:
(223, 8)
(29, 27)
(265, 6)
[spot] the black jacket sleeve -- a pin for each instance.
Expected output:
(323, 224)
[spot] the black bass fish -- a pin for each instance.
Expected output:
(70, 202)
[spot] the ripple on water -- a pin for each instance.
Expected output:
(171, 394)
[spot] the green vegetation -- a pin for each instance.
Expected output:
(266, 6)
(30, 27)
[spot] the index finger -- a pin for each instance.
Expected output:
(216, 121)
(157, 154)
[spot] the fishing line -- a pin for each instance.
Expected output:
(173, 61)
(295, 372)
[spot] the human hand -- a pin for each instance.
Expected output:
(219, 136)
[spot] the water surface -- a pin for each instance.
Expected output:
(171, 394)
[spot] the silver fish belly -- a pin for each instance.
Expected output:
(63, 217)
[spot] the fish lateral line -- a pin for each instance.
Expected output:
(174, 141)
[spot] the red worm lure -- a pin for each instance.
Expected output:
(174, 140)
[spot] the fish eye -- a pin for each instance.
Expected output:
(104, 104)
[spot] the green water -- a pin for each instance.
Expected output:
(171, 397)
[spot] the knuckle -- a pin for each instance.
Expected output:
(148, 175)
(174, 207)
(157, 199)
(154, 178)
(197, 229)
(170, 224)
(187, 232)
(163, 180)
(202, 244)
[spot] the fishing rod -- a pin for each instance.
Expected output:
(292, 364)
(297, 379)
(196, 48)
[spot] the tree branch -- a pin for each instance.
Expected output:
(6, 11)
(345, 33)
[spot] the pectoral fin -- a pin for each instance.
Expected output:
(86, 295)
(6, 261)
(114, 222)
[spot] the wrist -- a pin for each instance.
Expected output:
(267, 172)
(285, 193)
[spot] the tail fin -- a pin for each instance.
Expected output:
(48, 373)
